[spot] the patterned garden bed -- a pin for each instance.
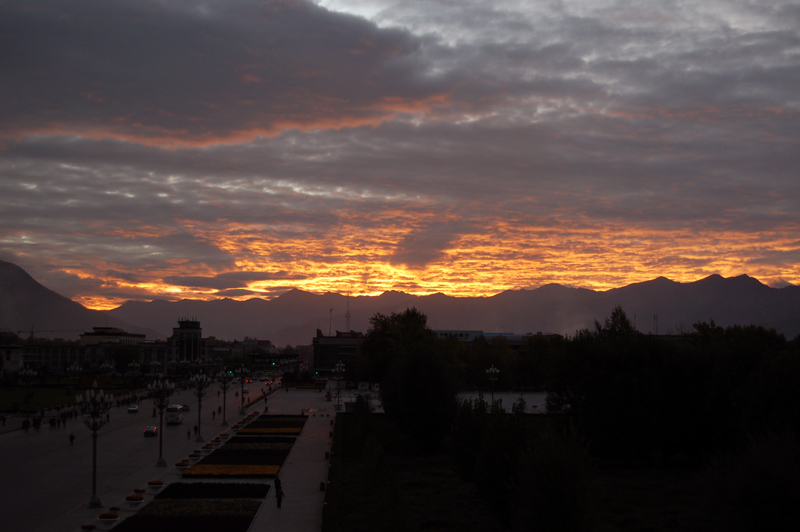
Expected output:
(255, 452)
(200, 509)
(214, 490)
(281, 425)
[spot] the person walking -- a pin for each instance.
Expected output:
(188, 434)
(279, 494)
(71, 439)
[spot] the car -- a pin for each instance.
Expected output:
(185, 408)
(151, 430)
(246, 391)
(133, 409)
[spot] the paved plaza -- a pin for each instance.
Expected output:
(47, 482)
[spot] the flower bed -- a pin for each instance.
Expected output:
(275, 424)
(204, 511)
(213, 490)
(206, 523)
(200, 507)
(278, 421)
(231, 471)
(271, 430)
(241, 457)
(260, 439)
(283, 446)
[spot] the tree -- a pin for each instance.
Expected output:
(418, 382)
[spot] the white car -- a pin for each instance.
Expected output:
(133, 409)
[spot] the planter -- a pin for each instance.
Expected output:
(155, 485)
(108, 522)
(108, 519)
(182, 465)
(134, 504)
(194, 457)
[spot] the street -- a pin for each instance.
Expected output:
(45, 479)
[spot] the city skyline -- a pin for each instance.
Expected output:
(240, 149)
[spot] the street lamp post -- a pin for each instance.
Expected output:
(242, 372)
(200, 383)
(94, 408)
(161, 391)
(224, 385)
(74, 371)
(492, 374)
(339, 369)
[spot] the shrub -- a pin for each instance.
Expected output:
(757, 488)
(555, 491)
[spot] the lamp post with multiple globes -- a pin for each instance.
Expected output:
(160, 391)
(243, 371)
(224, 385)
(94, 408)
(492, 373)
(339, 370)
(200, 383)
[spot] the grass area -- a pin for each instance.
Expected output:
(651, 500)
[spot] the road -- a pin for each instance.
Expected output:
(47, 483)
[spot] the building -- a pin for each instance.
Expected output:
(110, 335)
(328, 350)
(186, 342)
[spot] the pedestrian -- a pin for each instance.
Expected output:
(71, 438)
(188, 434)
(154, 411)
(279, 495)
(219, 410)
(213, 415)
(195, 430)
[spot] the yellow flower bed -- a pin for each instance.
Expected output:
(203, 470)
(285, 430)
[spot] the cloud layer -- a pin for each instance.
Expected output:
(240, 148)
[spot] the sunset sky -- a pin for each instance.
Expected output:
(223, 148)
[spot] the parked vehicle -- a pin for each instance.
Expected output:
(133, 409)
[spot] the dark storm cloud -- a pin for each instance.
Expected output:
(195, 72)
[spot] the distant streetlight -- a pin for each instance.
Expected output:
(200, 383)
(339, 370)
(94, 408)
(492, 373)
(161, 391)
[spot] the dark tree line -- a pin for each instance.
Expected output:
(721, 400)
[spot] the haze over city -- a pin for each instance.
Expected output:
(207, 149)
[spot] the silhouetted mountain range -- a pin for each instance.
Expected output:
(294, 317)
(26, 305)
